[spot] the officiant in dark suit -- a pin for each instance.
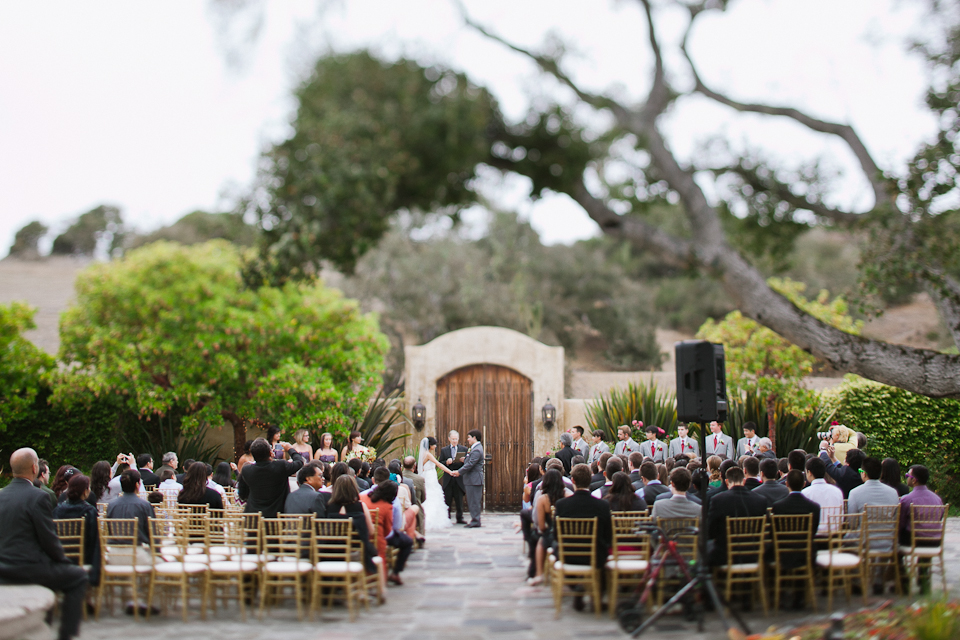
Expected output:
(453, 489)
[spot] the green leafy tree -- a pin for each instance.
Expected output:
(22, 365)
(169, 327)
(200, 226)
(763, 363)
(25, 242)
(101, 224)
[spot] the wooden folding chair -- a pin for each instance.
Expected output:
(283, 542)
(746, 538)
(881, 539)
(681, 530)
(792, 554)
(630, 555)
(235, 578)
(928, 525)
(71, 532)
(844, 560)
(334, 567)
(576, 564)
(177, 574)
(121, 565)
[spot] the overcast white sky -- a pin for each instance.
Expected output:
(135, 104)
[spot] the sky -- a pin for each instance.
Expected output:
(158, 108)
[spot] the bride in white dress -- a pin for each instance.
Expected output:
(434, 508)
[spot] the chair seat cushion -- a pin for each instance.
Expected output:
(338, 567)
(126, 569)
(233, 566)
(204, 558)
(167, 568)
(627, 565)
(261, 558)
(837, 559)
(299, 566)
(746, 567)
(925, 552)
(572, 568)
(220, 550)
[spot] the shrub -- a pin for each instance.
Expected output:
(644, 402)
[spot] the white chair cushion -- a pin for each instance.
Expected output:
(746, 567)
(126, 569)
(261, 558)
(179, 567)
(301, 566)
(572, 568)
(925, 552)
(234, 566)
(627, 565)
(225, 551)
(170, 552)
(204, 558)
(338, 567)
(377, 560)
(837, 559)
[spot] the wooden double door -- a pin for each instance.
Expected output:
(499, 402)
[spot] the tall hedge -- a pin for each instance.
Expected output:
(911, 428)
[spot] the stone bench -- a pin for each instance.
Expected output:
(23, 612)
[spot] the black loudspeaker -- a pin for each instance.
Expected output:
(701, 382)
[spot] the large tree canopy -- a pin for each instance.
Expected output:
(619, 176)
(22, 364)
(172, 328)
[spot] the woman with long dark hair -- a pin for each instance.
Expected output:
(61, 479)
(533, 474)
(345, 501)
(76, 506)
(353, 449)
(99, 479)
(223, 475)
(246, 457)
(273, 438)
(890, 475)
(552, 490)
(195, 489)
(621, 496)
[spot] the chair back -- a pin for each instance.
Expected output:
(681, 531)
(168, 539)
(251, 530)
(882, 528)
(792, 537)
(928, 523)
(577, 540)
(118, 540)
(847, 533)
(629, 541)
(745, 540)
(375, 529)
(195, 518)
(283, 537)
(332, 539)
(71, 533)
(828, 519)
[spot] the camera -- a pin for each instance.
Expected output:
(825, 435)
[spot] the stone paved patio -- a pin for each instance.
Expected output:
(465, 584)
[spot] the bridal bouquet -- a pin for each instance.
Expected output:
(365, 454)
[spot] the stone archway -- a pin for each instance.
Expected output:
(498, 401)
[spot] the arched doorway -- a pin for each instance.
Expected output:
(500, 399)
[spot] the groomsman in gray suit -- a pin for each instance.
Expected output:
(599, 446)
(627, 445)
(747, 445)
(719, 443)
(653, 448)
(579, 443)
(684, 444)
(472, 474)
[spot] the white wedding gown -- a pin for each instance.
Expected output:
(434, 508)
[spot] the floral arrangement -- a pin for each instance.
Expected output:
(365, 454)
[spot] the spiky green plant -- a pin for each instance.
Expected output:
(639, 401)
(382, 416)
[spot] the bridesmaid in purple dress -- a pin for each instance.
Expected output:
(326, 452)
(273, 437)
(301, 444)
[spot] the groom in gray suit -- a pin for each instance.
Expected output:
(472, 474)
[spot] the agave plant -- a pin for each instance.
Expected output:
(162, 434)
(644, 402)
(383, 416)
(793, 432)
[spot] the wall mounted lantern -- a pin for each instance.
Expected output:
(549, 415)
(419, 415)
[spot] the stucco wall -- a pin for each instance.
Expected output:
(426, 364)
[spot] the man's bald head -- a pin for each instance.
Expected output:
(24, 463)
(409, 463)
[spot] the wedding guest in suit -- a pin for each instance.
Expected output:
(796, 459)
(145, 466)
(627, 445)
(653, 448)
(130, 505)
(652, 487)
(264, 484)
(579, 443)
(635, 460)
(614, 466)
(683, 444)
(453, 489)
(747, 445)
(718, 443)
(598, 448)
(772, 490)
(796, 503)
(30, 551)
(566, 452)
(751, 469)
(872, 491)
(678, 505)
(582, 505)
(736, 502)
(765, 449)
(598, 479)
(306, 498)
(621, 495)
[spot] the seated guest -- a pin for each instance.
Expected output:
(917, 478)
(772, 490)
(552, 490)
(99, 479)
(60, 480)
(582, 505)
(597, 480)
(195, 489)
(796, 503)
(765, 449)
(613, 467)
(145, 467)
(736, 502)
(30, 552)
(383, 499)
(223, 475)
(130, 505)
(40, 482)
(357, 465)
(890, 476)
(652, 487)
(264, 484)
(168, 482)
(724, 466)
(566, 452)
(678, 505)
(872, 491)
(345, 502)
(825, 495)
(846, 474)
(621, 495)
(796, 459)
(635, 459)
(751, 469)
(306, 499)
(76, 506)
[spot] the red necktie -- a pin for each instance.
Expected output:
(681, 446)
(716, 442)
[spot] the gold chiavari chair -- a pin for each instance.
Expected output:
(576, 563)
(333, 565)
(746, 538)
(71, 532)
(844, 559)
(236, 578)
(172, 576)
(928, 525)
(630, 554)
(792, 554)
(122, 564)
(881, 542)
(283, 541)
(688, 545)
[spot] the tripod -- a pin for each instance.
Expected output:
(702, 579)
